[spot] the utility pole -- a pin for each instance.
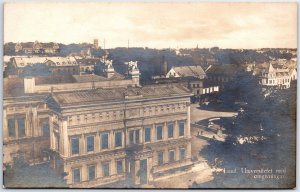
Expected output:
(103, 43)
(128, 44)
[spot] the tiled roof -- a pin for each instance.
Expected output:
(24, 61)
(226, 69)
(56, 61)
(118, 94)
(189, 71)
(62, 61)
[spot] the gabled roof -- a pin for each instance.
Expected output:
(24, 61)
(226, 69)
(55, 61)
(186, 71)
(61, 61)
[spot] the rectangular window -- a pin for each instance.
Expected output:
(159, 132)
(46, 130)
(182, 153)
(104, 141)
(134, 137)
(76, 175)
(170, 130)
(147, 134)
(21, 127)
(105, 169)
(92, 172)
(160, 158)
(171, 156)
(11, 128)
(119, 166)
(75, 146)
(131, 137)
(181, 128)
(90, 143)
(137, 136)
(118, 139)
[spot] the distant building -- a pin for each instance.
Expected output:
(193, 75)
(88, 65)
(37, 48)
(96, 44)
(274, 75)
(56, 65)
(221, 74)
(194, 78)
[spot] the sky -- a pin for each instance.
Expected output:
(155, 25)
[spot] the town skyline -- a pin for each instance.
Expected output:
(155, 25)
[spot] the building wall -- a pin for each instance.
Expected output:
(81, 123)
(31, 143)
(274, 80)
(46, 88)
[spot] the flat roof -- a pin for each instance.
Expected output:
(118, 94)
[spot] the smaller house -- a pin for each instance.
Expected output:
(274, 75)
(221, 74)
(194, 78)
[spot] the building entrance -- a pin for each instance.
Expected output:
(143, 172)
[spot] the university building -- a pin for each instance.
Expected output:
(97, 133)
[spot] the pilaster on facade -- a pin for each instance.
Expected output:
(51, 130)
(111, 140)
(82, 145)
(35, 128)
(5, 127)
(65, 138)
(176, 129)
(188, 123)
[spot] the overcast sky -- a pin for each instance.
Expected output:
(155, 25)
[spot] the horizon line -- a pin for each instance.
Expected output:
(90, 43)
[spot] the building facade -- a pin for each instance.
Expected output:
(274, 75)
(136, 134)
(25, 125)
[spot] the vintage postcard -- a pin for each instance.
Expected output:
(149, 95)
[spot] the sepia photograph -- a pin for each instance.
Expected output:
(149, 95)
